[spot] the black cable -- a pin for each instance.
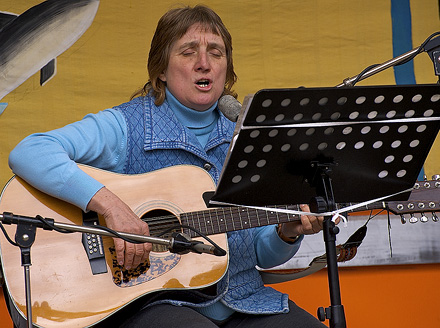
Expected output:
(50, 225)
(7, 236)
(116, 234)
(420, 49)
(358, 77)
(183, 226)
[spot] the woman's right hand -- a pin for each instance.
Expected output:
(119, 217)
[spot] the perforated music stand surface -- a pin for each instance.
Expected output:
(375, 138)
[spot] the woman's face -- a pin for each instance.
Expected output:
(196, 71)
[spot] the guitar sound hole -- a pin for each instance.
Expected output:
(160, 221)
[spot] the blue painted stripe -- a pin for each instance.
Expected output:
(402, 40)
(402, 43)
(3, 107)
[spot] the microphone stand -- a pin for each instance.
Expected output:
(26, 230)
(429, 46)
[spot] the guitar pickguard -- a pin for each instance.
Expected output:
(147, 271)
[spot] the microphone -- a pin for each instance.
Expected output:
(230, 107)
(181, 243)
(200, 248)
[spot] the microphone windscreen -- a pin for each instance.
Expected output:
(230, 107)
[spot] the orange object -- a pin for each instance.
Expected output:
(404, 296)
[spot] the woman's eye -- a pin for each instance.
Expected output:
(216, 53)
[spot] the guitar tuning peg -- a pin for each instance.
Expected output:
(434, 217)
(436, 177)
(423, 218)
(402, 219)
(413, 219)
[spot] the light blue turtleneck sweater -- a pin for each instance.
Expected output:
(201, 123)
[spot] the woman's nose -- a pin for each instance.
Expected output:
(203, 62)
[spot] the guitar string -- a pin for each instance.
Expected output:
(334, 214)
(253, 219)
(221, 221)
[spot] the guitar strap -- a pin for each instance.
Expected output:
(345, 252)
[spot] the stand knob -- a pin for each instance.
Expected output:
(322, 314)
(318, 205)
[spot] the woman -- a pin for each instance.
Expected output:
(173, 120)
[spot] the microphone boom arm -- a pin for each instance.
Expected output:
(430, 45)
(348, 82)
(50, 224)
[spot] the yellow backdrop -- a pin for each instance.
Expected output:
(276, 44)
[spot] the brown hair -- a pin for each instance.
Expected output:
(170, 28)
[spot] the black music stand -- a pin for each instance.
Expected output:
(328, 145)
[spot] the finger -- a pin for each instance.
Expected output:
(119, 248)
(310, 224)
(138, 255)
(305, 222)
(306, 225)
(129, 255)
(317, 224)
(320, 220)
(147, 250)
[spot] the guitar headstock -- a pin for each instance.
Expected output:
(424, 199)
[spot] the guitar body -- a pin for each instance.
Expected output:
(64, 291)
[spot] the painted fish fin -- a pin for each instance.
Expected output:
(47, 72)
(6, 18)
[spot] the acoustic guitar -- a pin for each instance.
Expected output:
(65, 290)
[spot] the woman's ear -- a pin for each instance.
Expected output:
(162, 77)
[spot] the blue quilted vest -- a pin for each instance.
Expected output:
(156, 139)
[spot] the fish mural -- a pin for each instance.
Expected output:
(32, 41)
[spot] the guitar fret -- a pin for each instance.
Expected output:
(241, 219)
(210, 221)
(249, 221)
(221, 219)
(269, 215)
(204, 223)
(200, 225)
(258, 220)
(246, 222)
(193, 220)
(289, 217)
(218, 222)
(185, 219)
(224, 220)
(278, 217)
(233, 224)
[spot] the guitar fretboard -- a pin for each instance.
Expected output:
(225, 219)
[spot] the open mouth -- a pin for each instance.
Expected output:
(203, 83)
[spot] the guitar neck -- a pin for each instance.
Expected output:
(227, 219)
